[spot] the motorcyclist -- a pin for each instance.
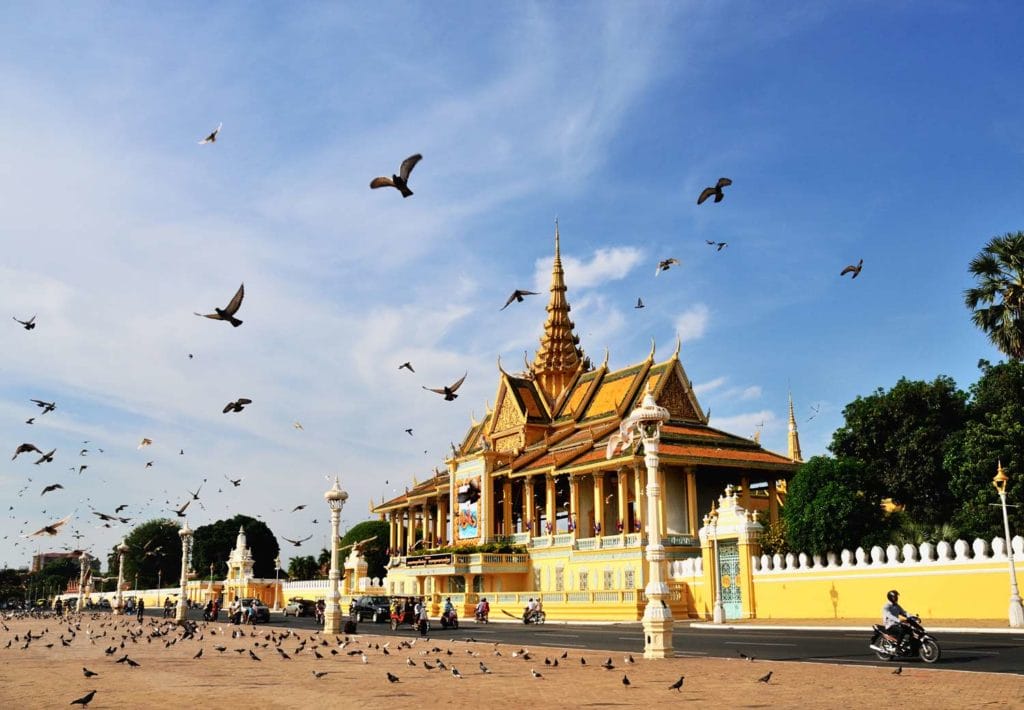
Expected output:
(449, 608)
(892, 616)
(483, 609)
(531, 609)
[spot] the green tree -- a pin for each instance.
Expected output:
(994, 433)
(324, 560)
(375, 552)
(901, 436)
(154, 554)
(831, 505)
(213, 543)
(303, 568)
(998, 298)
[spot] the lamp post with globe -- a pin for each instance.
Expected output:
(1016, 611)
(277, 583)
(118, 599)
(186, 543)
(335, 498)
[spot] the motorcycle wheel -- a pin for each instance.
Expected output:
(455, 624)
(929, 652)
(876, 640)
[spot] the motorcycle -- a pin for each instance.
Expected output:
(916, 643)
(450, 619)
(481, 617)
(534, 617)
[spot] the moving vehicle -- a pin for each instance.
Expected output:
(916, 643)
(450, 619)
(300, 607)
(261, 612)
(534, 617)
(377, 609)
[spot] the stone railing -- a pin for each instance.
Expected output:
(690, 568)
(893, 556)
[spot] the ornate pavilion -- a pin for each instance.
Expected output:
(534, 473)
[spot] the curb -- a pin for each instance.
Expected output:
(780, 627)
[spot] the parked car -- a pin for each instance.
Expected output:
(377, 609)
(261, 611)
(300, 607)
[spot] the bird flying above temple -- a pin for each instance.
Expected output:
(715, 190)
(449, 391)
(400, 181)
(228, 312)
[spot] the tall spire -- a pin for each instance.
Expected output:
(558, 357)
(794, 438)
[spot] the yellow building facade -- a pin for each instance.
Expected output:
(530, 506)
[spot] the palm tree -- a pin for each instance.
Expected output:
(999, 270)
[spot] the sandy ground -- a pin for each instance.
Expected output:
(48, 674)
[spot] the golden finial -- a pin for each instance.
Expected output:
(650, 355)
(679, 344)
(604, 363)
(500, 369)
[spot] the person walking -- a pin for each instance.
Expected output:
(140, 609)
(422, 616)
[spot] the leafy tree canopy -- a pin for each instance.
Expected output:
(213, 545)
(154, 554)
(375, 552)
(901, 436)
(832, 505)
(304, 567)
(997, 301)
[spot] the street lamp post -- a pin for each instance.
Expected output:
(118, 599)
(83, 562)
(186, 542)
(209, 594)
(644, 423)
(277, 582)
(335, 498)
(1016, 611)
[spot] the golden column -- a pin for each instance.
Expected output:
(599, 522)
(425, 523)
(623, 481)
(410, 530)
(549, 503)
(574, 505)
(639, 484)
(442, 520)
(529, 512)
(691, 501)
(506, 507)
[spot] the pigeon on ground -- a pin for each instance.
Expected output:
(716, 191)
(237, 406)
(765, 678)
(851, 269)
(665, 265)
(898, 671)
(517, 296)
(392, 678)
(400, 181)
(84, 700)
(212, 138)
(88, 673)
(535, 674)
(228, 312)
(678, 684)
(319, 674)
(625, 680)
(449, 391)
(27, 324)
(198, 655)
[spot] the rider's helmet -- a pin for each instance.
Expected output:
(893, 596)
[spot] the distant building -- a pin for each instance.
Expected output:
(44, 558)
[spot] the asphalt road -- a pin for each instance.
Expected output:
(998, 653)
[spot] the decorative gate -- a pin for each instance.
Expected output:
(729, 572)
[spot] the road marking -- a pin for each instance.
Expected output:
(568, 636)
(756, 643)
(684, 654)
(570, 645)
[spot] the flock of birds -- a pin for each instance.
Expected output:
(105, 639)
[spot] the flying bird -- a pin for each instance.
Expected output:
(716, 191)
(409, 432)
(297, 543)
(298, 507)
(400, 181)
(678, 684)
(236, 482)
(47, 457)
(297, 425)
(212, 138)
(149, 464)
(228, 312)
(639, 303)
(84, 700)
(50, 529)
(24, 449)
(144, 442)
(30, 420)
(237, 406)
(45, 406)
(407, 366)
(665, 265)
(851, 269)
(180, 512)
(53, 487)
(765, 678)
(27, 324)
(720, 245)
(517, 296)
(121, 507)
(449, 391)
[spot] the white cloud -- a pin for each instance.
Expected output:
(752, 392)
(691, 324)
(611, 264)
(747, 423)
(706, 387)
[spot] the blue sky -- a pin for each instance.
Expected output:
(888, 132)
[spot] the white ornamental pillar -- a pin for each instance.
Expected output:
(335, 498)
(186, 544)
(118, 599)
